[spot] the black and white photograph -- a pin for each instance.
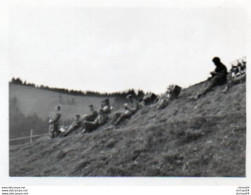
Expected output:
(127, 92)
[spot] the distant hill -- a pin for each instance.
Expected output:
(31, 106)
(206, 137)
(42, 101)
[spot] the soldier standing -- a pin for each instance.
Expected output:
(54, 123)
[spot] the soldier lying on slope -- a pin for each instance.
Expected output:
(76, 124)
(131, 107)
(91, 116)
(101, 119)
(172, 92)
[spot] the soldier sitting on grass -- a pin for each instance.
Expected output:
(131, 107)
(218, 77)
(172, 92)
(150, 98)
(91, 116)
(105, 106)
(101, 119)
(128, 112)
(76, 124)
(237, 75)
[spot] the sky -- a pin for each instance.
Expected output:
(111, 49)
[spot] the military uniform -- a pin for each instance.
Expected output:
(134, 105)
(90, 117)
(149, 99)
(54, 125)
(101, 119)
(218, 77)
(105, 106)
(75, 125)
(129, 111)
(172, 93)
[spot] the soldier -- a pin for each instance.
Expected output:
(131, 107)
(218, 77)
(54, 123)
(150, 99)
(243, 66)
(172, 93)
(133, 103)
(105, 106)
(162, 102)
(75, 125)
(100, 120)
(237, 76)
(128, 112)
(92, 116)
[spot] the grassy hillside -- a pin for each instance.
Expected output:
(206, 137)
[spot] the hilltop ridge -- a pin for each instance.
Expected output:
(206, 137)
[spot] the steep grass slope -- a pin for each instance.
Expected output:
(206, 137)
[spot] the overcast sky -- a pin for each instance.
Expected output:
(112, 49)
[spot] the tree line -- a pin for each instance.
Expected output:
(139, 94)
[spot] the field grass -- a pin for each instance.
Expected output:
(188, 138)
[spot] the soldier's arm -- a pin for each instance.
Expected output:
(222, 72)
(213, 73)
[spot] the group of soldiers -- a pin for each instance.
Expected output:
(237, 74)
(93, 120)
(87, 122)
(220, 76)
